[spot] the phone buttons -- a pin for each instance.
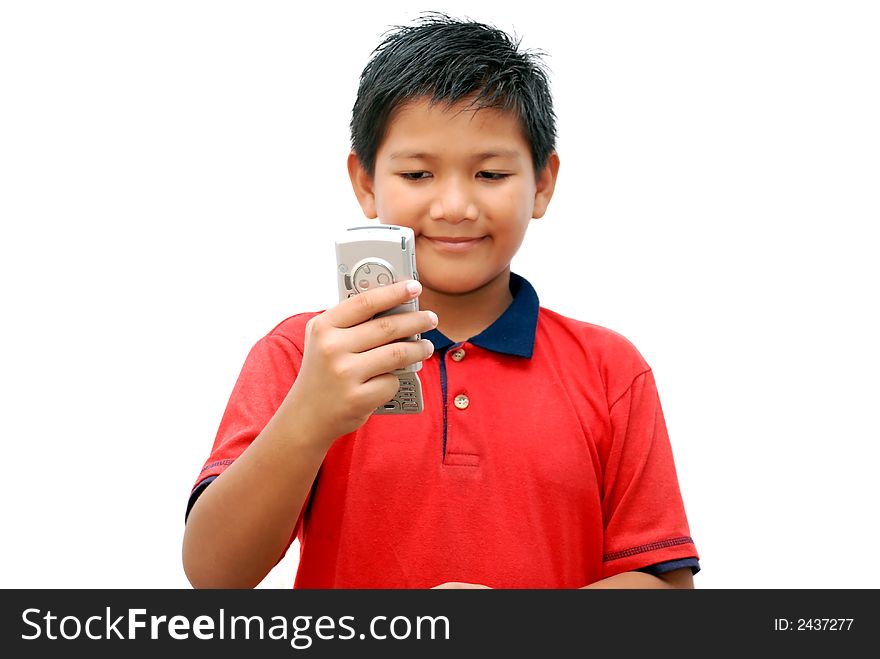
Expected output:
(407, 396)
(370, 274)
(462, 402)
(457, 355)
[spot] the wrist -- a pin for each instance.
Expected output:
(298, 427)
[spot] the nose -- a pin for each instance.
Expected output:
(454, 202)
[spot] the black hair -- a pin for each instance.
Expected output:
(449, 60)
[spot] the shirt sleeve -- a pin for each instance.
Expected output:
(266, 376)
(645, 521)
(662, 568)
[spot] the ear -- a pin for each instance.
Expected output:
(545, 185)
(362, 184)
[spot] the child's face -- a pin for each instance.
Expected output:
(464, 182)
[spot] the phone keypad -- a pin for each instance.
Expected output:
(408, 399)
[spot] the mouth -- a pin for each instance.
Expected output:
(454, 243)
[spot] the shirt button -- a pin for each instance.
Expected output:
(458, 355)
(461, 401)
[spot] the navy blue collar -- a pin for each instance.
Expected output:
(513, 333)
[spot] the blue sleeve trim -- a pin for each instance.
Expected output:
(196, 493)
(668, 566)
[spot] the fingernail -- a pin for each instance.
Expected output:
(413, 287)
(429, 348)
(433, 318)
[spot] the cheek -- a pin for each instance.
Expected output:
(396, 202)
(513, 206)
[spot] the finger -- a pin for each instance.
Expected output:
(386, 329)
(363, 306)
(393, 356)
(381, 388)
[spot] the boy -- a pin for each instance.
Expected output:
(541, 458)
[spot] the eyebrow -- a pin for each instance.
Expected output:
(479, 157)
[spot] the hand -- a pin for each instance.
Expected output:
(348, 358)
(460, 585)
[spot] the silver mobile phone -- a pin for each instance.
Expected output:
(372, 256)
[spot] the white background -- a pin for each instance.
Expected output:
(172, 174)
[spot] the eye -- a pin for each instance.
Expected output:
(415, 176)
(492, 176)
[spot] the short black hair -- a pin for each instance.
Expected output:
(449, 60)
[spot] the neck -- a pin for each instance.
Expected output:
(464, 315)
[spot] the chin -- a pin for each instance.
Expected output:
(448, 285)
(457, 285)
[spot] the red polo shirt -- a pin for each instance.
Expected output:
(541, 460)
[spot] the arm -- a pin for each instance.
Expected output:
(242, 523)
(681, 578)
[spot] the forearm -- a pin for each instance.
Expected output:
(242, 523)
(678, 579)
